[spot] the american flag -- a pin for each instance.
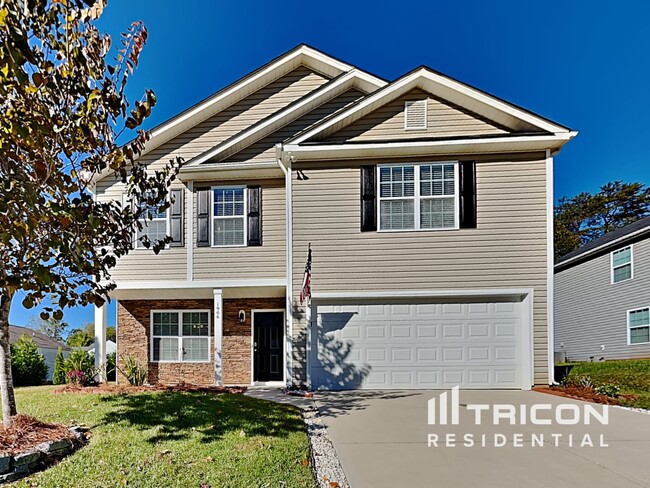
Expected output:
(305, 291)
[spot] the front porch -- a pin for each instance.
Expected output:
(222, 336)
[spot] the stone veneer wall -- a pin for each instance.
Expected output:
(236, 346)
(133, 330)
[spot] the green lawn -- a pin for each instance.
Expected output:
(633, 377)
(174, 440)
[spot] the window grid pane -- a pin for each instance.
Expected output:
(165, 349)
(622, 257)
(437, 180)
(195, 324)
(437, 213)
(397, 215)
(397, 181)
(229, 231)
(640, 335)
(622, 273)
(640, 317)
(228, 202)
(196, 349)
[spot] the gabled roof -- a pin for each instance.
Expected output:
(354, 78)
(488, 106)
(41, 339)
(300, 55)
(608, 242)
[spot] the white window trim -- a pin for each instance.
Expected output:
(180, 337)
(426, 115)
(417, 198)
(631, 263)
(138, 243)
(212, 216)
(629, 328)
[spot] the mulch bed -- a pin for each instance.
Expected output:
(583, 393)
(27, 432)
(105, 389)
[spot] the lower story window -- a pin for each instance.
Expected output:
(180, 336)
(638, 321)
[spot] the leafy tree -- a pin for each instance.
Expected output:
(52, 327)
(585, 217)
(28, 364)
(58, 377)
(63, 109)
(82, 337)
(111, 334)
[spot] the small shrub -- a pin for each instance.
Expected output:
(79, 360)
(27, 363)
(58, 377)
(609, 390)
(78, 377)
(134, 372)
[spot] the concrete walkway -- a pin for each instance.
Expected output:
(381, 438)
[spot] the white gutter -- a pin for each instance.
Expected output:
(416, 148)
(286, 169)
(550, 275)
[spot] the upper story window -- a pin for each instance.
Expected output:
(622, 264)
(638, 323)
(229, 216)
(155, 225)
(415, 114)
(180, 336)
(418, 196)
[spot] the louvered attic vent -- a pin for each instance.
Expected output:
(415, 114)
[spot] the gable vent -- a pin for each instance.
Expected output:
(415, 114)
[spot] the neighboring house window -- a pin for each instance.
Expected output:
(622, 264)
(229, 216)
(418, 197)
(155, 229)
(638, 322)
(180, 336)
(415, 114)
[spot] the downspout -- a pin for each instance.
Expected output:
(550, 257)
(285, 166)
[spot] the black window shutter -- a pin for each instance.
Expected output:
(176, 217)
(254, 216)
(368, 199)
(467, 193)
(203, 217)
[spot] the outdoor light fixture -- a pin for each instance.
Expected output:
(242, 316)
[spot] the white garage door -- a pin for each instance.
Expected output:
(411, 345)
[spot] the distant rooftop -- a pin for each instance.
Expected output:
(41, 339)
(615, 238)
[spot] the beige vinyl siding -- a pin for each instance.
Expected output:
(264, 150)
(267, 261)
(507, 250)
(591, 312)
(143, 264)
(387, 122)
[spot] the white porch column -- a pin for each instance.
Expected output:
(218, 334)
(100, 341)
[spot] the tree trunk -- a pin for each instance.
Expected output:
(6, 380)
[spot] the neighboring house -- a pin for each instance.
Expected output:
(428, 205)
(47, 346)
(111, 348)
(602, 297)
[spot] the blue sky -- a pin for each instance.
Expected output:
(583, 64)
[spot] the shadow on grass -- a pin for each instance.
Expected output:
(177, 416)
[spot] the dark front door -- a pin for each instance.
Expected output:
(268, 348)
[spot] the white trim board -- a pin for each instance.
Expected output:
(401, 294)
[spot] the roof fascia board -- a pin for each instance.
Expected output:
(301, 107)
(459, 146)
(241, 88)
(453, 91)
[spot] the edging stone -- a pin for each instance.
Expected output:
(13, 468)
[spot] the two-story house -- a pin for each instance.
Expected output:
(602, 297)
(428, 206)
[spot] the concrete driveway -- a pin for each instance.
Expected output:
(381, 438)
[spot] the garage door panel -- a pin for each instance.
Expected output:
(475, 345)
